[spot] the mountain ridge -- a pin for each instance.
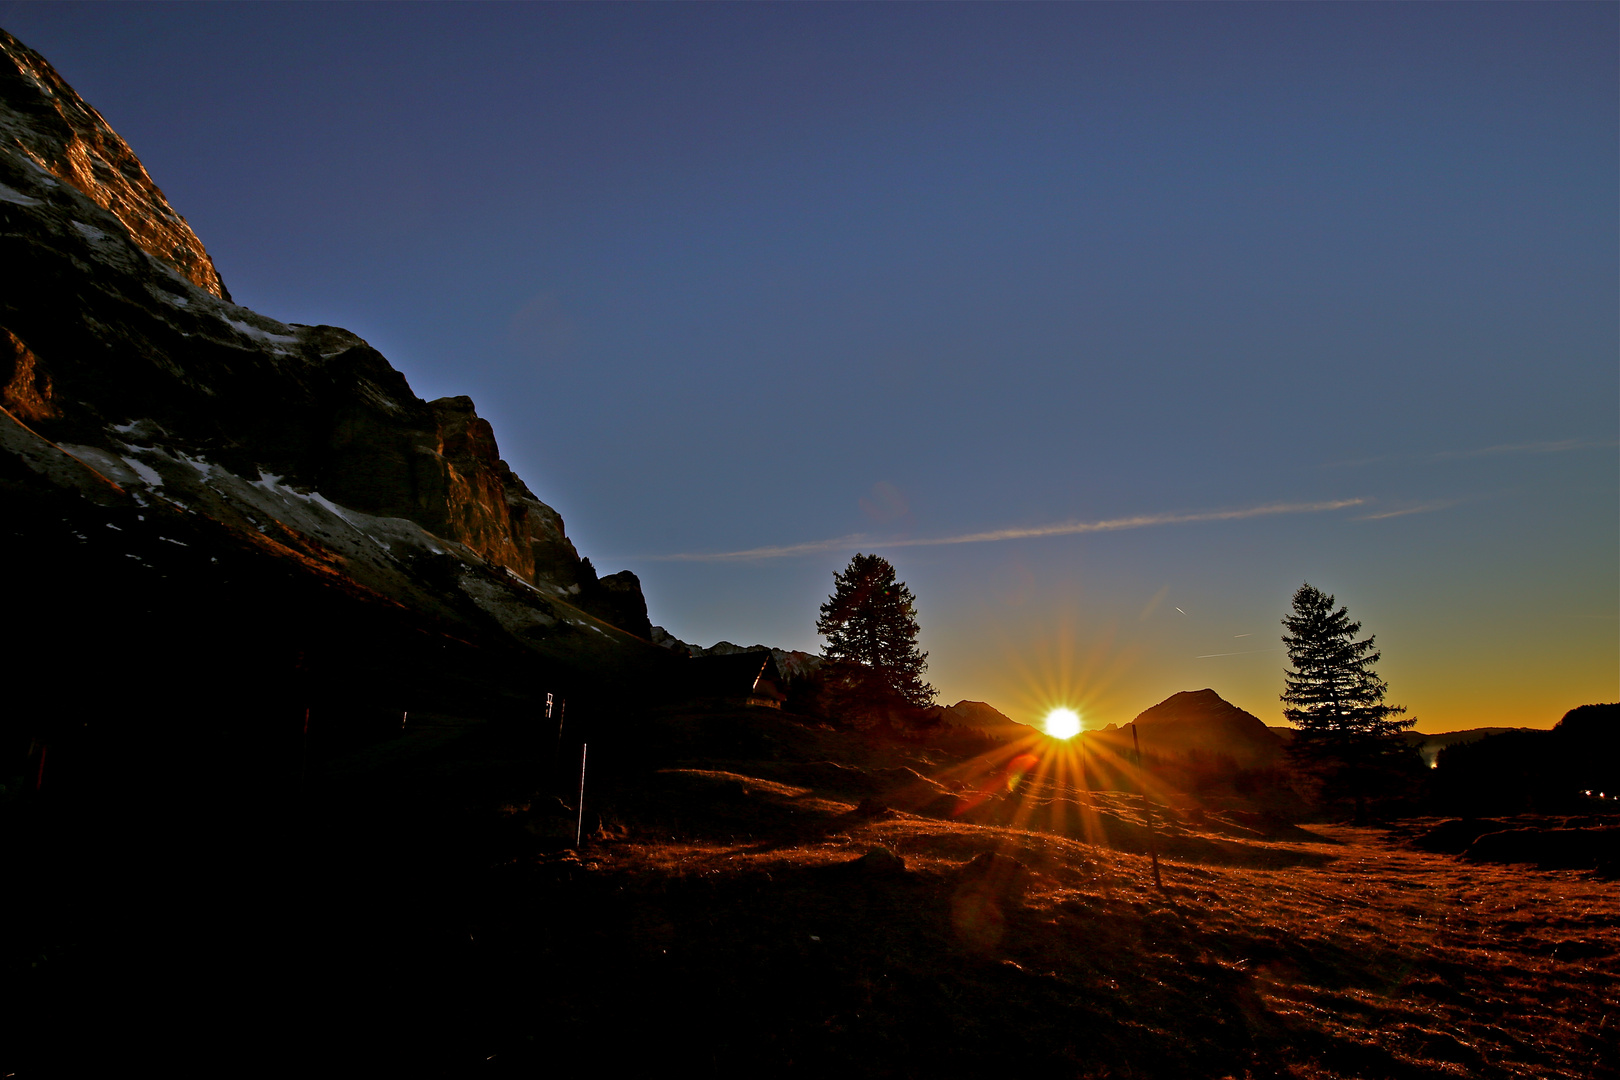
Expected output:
(238, 544)
(118, 337)
(63, 135)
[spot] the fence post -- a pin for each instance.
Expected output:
(579, 826)
(1147, 810)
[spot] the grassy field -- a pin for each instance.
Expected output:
(765, 895)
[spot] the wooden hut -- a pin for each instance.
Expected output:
(746, 679)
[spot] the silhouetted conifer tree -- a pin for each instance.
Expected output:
(1347, 735)
(871, 619)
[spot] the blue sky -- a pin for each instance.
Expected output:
(729, 278)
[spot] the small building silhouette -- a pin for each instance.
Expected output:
(745, 678)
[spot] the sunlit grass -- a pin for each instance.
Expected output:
(1394, 959)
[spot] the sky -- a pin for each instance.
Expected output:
(1108, 324)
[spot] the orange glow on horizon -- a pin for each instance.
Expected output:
(1110, 652)
(1057, 671)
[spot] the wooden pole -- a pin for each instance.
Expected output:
(579, 827)
(1085, 768)
(1147, 810)
(556, 747)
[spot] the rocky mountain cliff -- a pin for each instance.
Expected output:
(117, 334)
(63, 136)
(162, 442)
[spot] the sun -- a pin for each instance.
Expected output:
(1062, 723)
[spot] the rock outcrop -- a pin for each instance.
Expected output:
(487, 507)
(618, 598)
(61, 135)
(117, 337)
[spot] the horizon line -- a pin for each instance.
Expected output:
(1068, 528)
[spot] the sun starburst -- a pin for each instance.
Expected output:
(1062, 723)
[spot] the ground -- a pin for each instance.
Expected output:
(761, 893)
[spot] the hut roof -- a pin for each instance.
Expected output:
(738, 675)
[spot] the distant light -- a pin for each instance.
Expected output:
(1062, 723)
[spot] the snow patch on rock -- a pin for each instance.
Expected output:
(262, 335)
(11, 195)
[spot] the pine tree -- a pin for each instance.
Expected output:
(1347, 735)
(871, 620)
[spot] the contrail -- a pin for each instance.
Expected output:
(1521, 448)
(1558, 447)
(1067, 528)
(1444, 504)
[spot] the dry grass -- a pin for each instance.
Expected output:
(727, 919)
(1377, 960)
(1340, 953)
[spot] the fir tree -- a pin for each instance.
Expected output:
(1347, 735)
(871, 620)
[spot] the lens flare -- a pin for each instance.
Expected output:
(1062, 723)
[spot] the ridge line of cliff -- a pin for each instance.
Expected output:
(113, 322)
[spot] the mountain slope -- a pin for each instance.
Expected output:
(117, 335)
(196, 489)
(1201, 721)
(1193, 741)
(60, 134)
(981, 717)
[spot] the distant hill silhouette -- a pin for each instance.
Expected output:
(1429, 745)
(975, 720)
(1191, 741)
(1530, 769)
(1202, 722)
(791, 663)
(977, 714)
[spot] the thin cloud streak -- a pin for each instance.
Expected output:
(1421, 509)
(1558, 447)
(1522, 448)
(1067, 528)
